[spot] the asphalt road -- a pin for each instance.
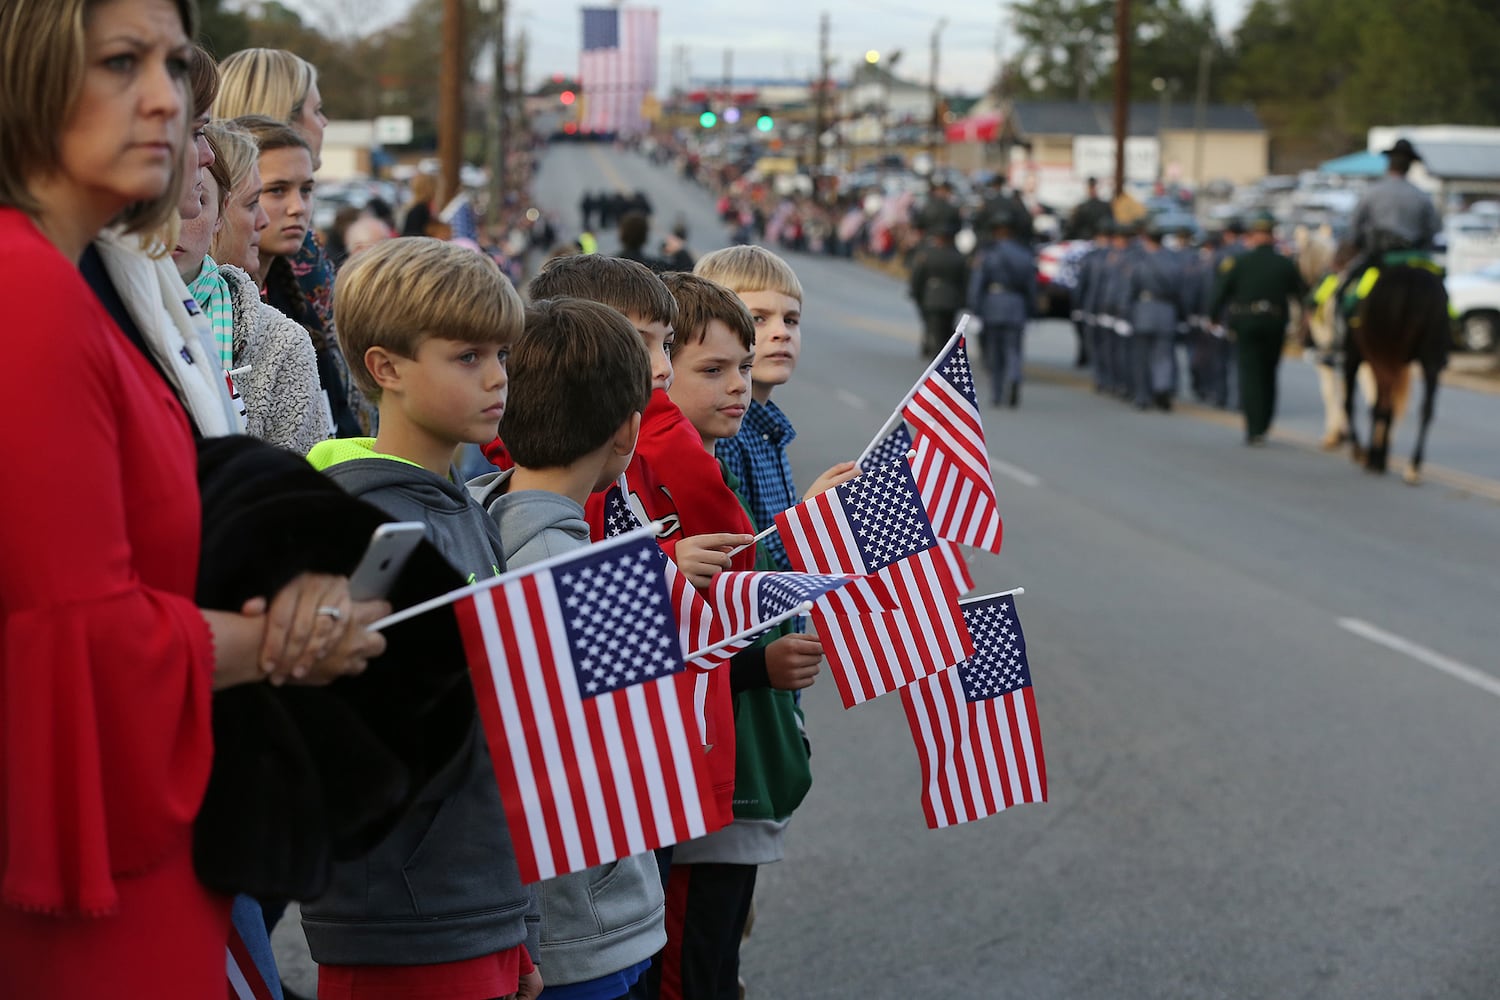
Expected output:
(1267, 682)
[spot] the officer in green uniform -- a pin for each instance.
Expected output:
(1255, 295)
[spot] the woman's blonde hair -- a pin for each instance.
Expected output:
(234, 148)
(43, 45)
(270, 82)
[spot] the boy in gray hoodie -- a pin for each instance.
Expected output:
(580, 380)
(437, 909)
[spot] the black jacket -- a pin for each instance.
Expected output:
(303, 776)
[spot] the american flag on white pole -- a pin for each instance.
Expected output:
(746, 601)
(575, 667)
(952, 465)
(875, 525)
(617, 67)
(975, 725)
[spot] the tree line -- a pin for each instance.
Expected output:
(1319, 73)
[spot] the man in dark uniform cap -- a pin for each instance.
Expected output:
(1255, 294)
(939, 279)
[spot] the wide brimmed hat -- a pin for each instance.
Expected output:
(1403, 148)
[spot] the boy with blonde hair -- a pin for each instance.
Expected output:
(712, 879)
(437, 909)
(756, 455)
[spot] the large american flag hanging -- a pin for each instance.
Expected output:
(617, 67)
(875, 525)
(975, 725)
(596, 753)
(952, 465)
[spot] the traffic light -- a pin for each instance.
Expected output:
(567, 97)
(708, 119)
(765, 122)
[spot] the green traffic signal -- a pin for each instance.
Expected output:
(708, 119)
(765, 123)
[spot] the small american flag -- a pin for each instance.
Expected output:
(246, 981)
(891, 448)
(952, 466)
(975, 725)
(875, 525)
(745, 602)
(575, 666)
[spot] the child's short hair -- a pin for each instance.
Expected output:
(749, 269)
(699, 301)
(577, 372)
(624, 285)
(399, 293)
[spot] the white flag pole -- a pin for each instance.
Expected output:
(990, 597)
(963, 323)
(760, 537)
(770, 623)
(453, 596)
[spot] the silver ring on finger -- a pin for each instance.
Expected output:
(337, 614)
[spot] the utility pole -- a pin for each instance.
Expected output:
(936, 130)
(1200, 112)
(499, 118)
(728, 95)
(451, 99)
(1122, 90)
(518, 96)
(820, 104)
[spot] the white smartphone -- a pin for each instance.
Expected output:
(390, 546)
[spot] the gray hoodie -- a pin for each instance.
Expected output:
(611, 917)
(444, 886)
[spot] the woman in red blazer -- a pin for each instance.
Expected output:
(106, 664)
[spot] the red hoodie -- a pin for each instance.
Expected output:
(673, 479)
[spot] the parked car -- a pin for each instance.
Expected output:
(1474, 299)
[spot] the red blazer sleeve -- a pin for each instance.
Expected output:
(105, 662)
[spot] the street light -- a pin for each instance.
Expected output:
(872, 57)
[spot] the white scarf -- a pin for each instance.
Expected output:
(174, 329)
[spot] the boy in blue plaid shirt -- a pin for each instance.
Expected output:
(757, 454)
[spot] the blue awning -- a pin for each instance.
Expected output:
(1355, 165)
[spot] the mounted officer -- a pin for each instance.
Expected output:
(1002, 293)
(1394, 222)
(1256, 294)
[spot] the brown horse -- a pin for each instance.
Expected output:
(1403, 320)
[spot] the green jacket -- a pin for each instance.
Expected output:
(1256, 288)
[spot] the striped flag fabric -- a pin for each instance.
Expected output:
(575, 666)
(617, 67)
(975, 725)
(247, 980)
(746, 601)
(952, 465)
(875, 525)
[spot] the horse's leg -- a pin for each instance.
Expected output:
(1380, 422)
(1413, 473)
(1351, 369)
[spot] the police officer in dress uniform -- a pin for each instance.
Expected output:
(1002, 293)
(1155, 310)
(1114, 310)
(1221, 379)
(939, 274)
(1086, 299)
(1255, 295)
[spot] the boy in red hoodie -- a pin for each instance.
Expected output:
(671, 478)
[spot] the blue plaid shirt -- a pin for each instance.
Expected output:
(757, 457)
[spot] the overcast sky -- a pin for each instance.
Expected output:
(779, 38)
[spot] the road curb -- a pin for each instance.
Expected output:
(1465, 483)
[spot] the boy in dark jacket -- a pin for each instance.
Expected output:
(438, 908)
(600, 926)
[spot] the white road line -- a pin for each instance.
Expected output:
(1013, 472)
(850, 399)
(1437, 661)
